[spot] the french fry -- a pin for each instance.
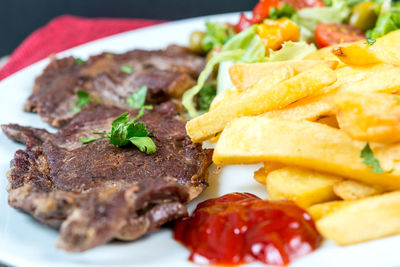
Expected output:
(386, 49)
(379, 80)
(305, 144)
(244, 76)
(260, 175)
(369, 116)
(356, 54)
(266, 95)
(225, 96)
(362, 220)
(308, 108)
(352, 190)
(304, 187)
(318, 211)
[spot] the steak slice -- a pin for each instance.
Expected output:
(167, 74)
(96, 192)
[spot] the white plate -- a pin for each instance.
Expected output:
(25, 242)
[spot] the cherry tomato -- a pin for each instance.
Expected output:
(261, 10)
(299, 4)
(335, 33)
(243, 23)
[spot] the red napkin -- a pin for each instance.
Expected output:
(65, 32)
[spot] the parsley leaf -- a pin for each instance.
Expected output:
(370, 41)
(138, 98)
(79, 61)
(369, 159)
(206, 95)
(125, 131)
(89, 139)
(285, 11)
(83, 100)
(145, 144)
(126, 69)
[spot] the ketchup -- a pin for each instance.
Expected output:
(239, 228)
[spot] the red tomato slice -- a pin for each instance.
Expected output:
(299, 4)
(243, 23)
(335, 33)
(261, 10)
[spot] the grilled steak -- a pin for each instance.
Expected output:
(167, 74)
(96, 192)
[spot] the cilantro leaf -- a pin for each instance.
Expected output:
(119, 130)
(126, 69)
(79, 61)
(138, 98)
(90, 139)
(285, 11)
(206, 96)
(144, 144)
(370, 41)
(369, 159)
(83, 100)
(125, 131)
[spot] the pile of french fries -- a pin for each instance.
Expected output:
(308, 121)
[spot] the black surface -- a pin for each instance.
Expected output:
(18, 18)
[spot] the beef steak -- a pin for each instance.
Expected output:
(167, 74)
(96, 192)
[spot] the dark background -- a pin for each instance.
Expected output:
(18, 18)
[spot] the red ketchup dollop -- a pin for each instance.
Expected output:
(240, 228)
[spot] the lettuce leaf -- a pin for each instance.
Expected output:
(388, 20)
(309, 18)
(217, 34)
(292, 51)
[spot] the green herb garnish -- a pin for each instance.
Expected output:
(79, 61)
(126, 131)
(138, 98)
(83, 100)
(206, 96)
(370, 160)
(89, 139)
(285, 11)
(126, 69)
(370, 41)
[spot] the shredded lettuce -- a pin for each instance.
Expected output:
(292, 51)
(217, 34)
(224, 81)
(245, 47)
(309, 18)
(388, 20)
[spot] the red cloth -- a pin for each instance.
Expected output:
(65, 32)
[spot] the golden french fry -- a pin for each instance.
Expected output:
(225, 96)
(308, 108)
(266, 95)
(305, 144)
(369, 116)
(261, 174)
(318, 211)
(352, 190)
(304, 187)
(386, 49)
(356, 54)
(383, 81)
(361, 220)
(244, 76)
